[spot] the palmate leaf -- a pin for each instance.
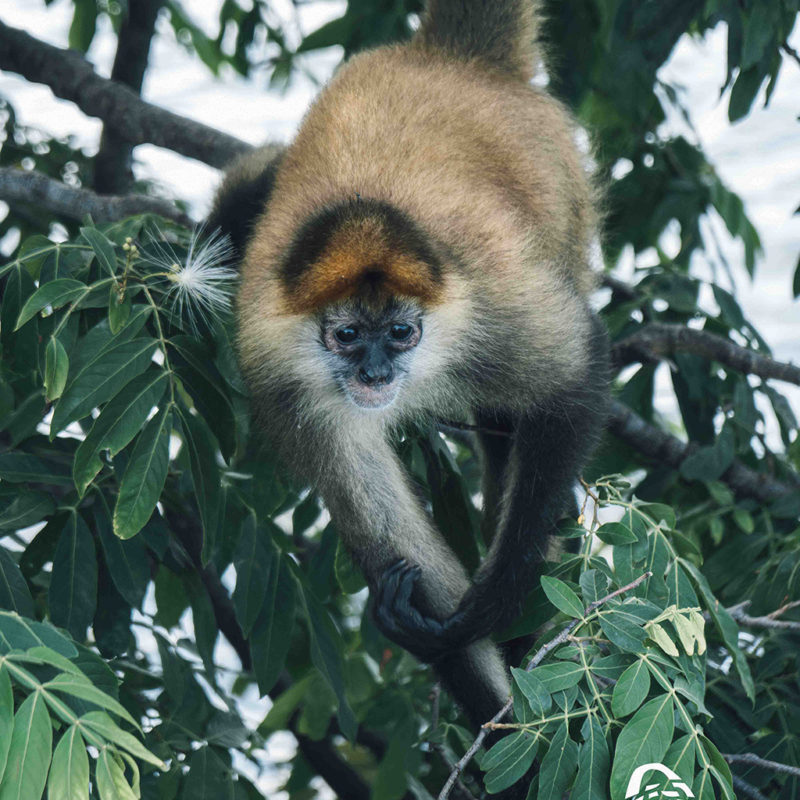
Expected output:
(6, 718)
(14, 592)
(205, 474)
(98, 722)
(19, 633)
(72, 596)
(119, 421)
(54, 294)
(272, 629)
(558, 766)
(110, 777)
(101, 379)
(644, 740)
(144, 477)
(69, 772)
(509, 760)
(593, 763)
(562, 597)
(631, 689)
(29, 753)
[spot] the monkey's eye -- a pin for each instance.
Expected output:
(346, 335)
(400, 331)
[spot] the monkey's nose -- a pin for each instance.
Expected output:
(371, 374)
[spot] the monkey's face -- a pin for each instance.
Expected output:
(371, 350)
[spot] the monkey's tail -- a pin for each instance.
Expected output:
(501, 33)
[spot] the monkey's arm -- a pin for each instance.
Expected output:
(550, 447)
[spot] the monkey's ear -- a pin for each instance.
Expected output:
(243, 195)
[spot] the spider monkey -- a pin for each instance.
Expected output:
(421, 251)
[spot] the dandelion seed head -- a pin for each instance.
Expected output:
(200, 285)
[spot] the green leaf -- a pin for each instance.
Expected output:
(594, 763)
(145, 475)
(272, 631)
(557, 677)
(562, 597)
(110, 776)
(29, 753)
(6, 718)
(644, 740)
(56, 367)
(558, 766)
(54, 294)
(72, 596)
(119, 309)
(623, 629)
(327, 648)
(26, 509)
(69, 772)
(14, 592)
(348, 575)
(744, 92)
(126, 560)
(83, 688)
(616, 533)
(209, 777)
(509, 760)
(252, 561)
(84, 24)
(18, 467)
(594, 585)
(726, 626)
(19, 633)
(391, 780)
(119, 421)
(100, 379)
(205, 475)
(631, 689)
(100, 723)
(535, 691)
(710, 463)
(103, 249)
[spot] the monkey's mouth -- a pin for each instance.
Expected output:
(376, 396)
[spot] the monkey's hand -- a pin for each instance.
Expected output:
(425, 637)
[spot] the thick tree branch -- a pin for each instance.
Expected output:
(113, 173)
(657, 340)
(668, 449)
(22, 186)
(756, 761)
(747, 789)
(73, 78)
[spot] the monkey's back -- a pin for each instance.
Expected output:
(476, 157)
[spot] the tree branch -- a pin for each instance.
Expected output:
(668, 449)
(73, 78)
(748, 789)
(22, 186)
(756, 761)
(113, 173)
(657, 340)
(562, 637)
(768, 621)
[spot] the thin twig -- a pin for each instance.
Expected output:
(24, 186)
(756, 761)
(790, 51)
(535, 661)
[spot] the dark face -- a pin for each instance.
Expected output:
(372, 349)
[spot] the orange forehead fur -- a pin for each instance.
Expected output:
(358, 260)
